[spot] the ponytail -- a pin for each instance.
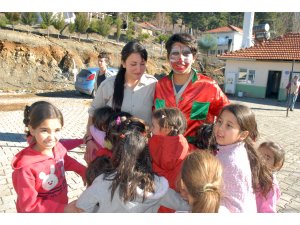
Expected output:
(118, 95)
(262, 178)
(26, 119)
(207, 202)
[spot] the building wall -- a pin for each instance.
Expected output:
(237, 41)
(262, 68)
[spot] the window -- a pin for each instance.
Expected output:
(251, 76)
(246, 76)
(242, 75)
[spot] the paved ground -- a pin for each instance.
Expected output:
(270, 114)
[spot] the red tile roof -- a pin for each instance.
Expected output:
(228, 28)
(148, 25)
(286, 47)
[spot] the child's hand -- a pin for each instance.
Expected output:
(90, 150)
(71, 208)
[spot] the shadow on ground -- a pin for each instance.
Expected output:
(12, 137)
(272, 102)
(64, 94)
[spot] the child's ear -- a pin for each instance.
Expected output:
(244, 135)
(31, 130)
(278, 166)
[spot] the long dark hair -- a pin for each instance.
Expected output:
(129, 48)
(132, 163)
(262, 178)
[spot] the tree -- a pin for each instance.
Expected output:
(175, 17)
(208, 42)
(29, 18)
(130, 31)
(81, 23)
(3, 21)
(13, 18)
(71, 28)
(59, 23)
(143, 36)
(105, 26)
(47, 20)
(118, 23)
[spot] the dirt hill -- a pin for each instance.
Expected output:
(33, 63)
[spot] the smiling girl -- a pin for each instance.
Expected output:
(39, 170)
(244, 174)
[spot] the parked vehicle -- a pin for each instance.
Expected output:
(86, 78)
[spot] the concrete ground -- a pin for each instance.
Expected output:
(270, 114)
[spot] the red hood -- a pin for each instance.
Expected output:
(168, 153)
(29, 156)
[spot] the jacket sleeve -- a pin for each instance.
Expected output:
(27, 200)
(269, 203)
(73, 165)
(69, 144)
(173, 200)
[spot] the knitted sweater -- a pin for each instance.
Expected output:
(238, 192)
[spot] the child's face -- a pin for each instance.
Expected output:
(227, 130)
(268, 157)
(47, 134)
(157, 130)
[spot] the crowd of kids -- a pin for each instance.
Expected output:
(138, 168)
(173, 145)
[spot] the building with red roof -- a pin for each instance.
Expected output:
(263, 70)
(229, 39)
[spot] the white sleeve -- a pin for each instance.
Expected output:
(90, 197)
(174, 201)
(101, 98)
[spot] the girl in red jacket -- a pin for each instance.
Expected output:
(168, 147)
(39, 170)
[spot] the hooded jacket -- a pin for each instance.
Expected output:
(39, 180)
(168, 153)
(97, 198)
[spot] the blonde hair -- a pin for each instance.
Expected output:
(202, 175)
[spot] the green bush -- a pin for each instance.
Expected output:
(3, 21)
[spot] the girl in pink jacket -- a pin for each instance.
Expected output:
(273, 156)
(243, 172)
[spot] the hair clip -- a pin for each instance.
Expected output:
(118, 120)
(163, 116)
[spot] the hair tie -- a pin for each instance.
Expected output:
(163, 116)
(208, 187)
(122, 136)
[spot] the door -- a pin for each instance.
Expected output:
(230, 83)
(273, 84)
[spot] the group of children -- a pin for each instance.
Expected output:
(138, 168)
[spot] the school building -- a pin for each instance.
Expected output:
(263, 70)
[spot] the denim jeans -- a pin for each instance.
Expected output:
(292, 101)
